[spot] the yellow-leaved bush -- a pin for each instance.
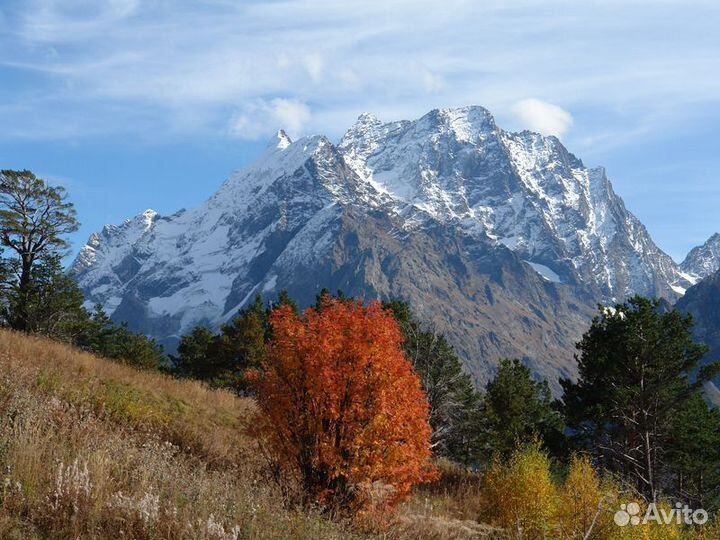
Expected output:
(586, 502)
(521, 497)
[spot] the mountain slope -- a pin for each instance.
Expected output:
(702, 301)
(703, 260)
(505, 241)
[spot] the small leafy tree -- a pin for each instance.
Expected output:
(586, 502)
(343, 410)
(517, 409)
(520, 495)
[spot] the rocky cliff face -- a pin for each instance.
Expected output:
(504, 241)
(523, 190)
(704, 260)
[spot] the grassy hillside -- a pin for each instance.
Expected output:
(91, 449)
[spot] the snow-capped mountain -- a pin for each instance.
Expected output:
(703, 260)
(504, 241)
(523, 190)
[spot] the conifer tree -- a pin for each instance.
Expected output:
(51, 304)
(222, 359)
(517, 409)
(284, 299)
(240, 346)
(637, 368)
(197, 354)
(34, 220)
(100, 335)
(694, 453)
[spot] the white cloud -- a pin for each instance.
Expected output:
(314, 64)
(432, 81)
(543, 117)
(261, 118)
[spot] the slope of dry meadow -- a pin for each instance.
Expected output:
(92, 449)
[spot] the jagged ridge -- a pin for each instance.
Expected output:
(703, 260)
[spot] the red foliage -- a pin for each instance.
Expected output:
(343, 409)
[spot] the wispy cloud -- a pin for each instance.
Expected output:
(67, 21)
(543, 117)
(194, 68)
(260, 118)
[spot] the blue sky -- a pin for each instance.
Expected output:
(135, 104)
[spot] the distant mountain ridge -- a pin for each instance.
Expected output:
(703, 260)
(505, 241)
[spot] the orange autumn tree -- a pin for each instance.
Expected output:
(343, 410)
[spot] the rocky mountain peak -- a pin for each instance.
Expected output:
(466, 123)
(280, 141)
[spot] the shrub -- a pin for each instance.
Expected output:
(344, 413)
(520, 495)
(585, 502)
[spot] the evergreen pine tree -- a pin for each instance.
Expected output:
(637, 368)
(197, 355)
(222, 359)
(284, 299)
(50, 304)
(241, 346)
(517, 409)
(136, 349)
(100, 335)
(694, 453)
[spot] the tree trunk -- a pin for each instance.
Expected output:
(649, 466)
(27, 263)
(21, 321)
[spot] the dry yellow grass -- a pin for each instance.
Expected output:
(95, 450)
(184, 412)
